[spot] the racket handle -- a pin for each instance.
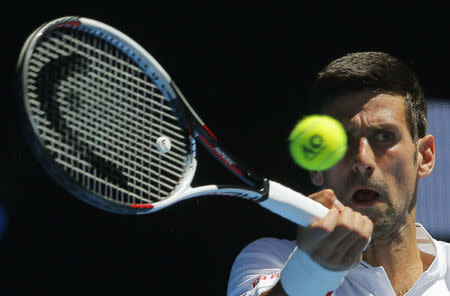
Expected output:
(292, 205)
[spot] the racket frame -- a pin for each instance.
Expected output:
(257, 187)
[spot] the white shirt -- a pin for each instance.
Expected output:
(259, 265)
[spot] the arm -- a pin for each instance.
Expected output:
(336, 241)
(257, 267)
(325, 251)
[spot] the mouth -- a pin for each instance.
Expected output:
(365, 198)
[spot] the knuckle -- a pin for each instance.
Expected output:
(346, 221)
(347, 213)
(348, 224)
(329, 193)
(354, 222)
(325, 197)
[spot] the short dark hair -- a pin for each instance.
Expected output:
(377, 71)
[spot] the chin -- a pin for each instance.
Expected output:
(385, 226)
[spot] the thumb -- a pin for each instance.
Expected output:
(328, 199)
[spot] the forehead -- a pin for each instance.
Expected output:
(374, 107)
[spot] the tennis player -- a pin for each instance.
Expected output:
(371, 193)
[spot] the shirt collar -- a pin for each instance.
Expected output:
(426, 244)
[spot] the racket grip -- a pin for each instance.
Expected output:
(292, 205)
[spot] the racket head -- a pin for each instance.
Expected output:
(103, 118)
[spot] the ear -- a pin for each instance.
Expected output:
(426, 156)
(316, 177)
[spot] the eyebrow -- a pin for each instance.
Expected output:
(349, 128)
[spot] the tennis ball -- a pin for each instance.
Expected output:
(317, 142)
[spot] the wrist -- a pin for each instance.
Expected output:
(303, 276)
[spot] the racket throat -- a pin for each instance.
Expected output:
(229, 162)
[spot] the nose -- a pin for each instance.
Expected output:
(364, 159)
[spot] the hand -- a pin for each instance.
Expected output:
(337, 240)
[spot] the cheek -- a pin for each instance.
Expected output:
(399, 172)
(337, 177)
(400, 163)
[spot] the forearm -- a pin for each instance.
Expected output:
(302, 276)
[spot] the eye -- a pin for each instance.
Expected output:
(384, 137)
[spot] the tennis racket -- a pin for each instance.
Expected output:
(108, 124)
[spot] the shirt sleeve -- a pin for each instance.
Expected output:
(257, 267)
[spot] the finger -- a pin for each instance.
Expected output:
(367, 231)
(338, 205)
(325, 197)
(354, 255)
(343, 229)
(310, 237)
(344, 226)
(350, 248)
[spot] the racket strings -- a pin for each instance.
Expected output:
(100, 117)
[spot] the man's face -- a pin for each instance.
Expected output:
(378, 175)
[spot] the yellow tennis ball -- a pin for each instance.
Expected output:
(317, 142)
